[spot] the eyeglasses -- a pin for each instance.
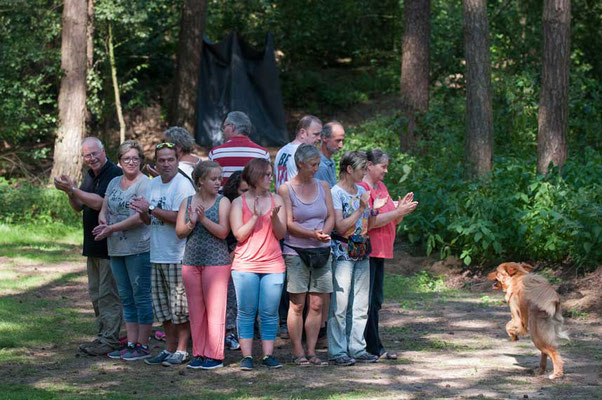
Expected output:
(166, 144)
(90, 156)
(130, 160)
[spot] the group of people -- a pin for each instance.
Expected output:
(204, 246)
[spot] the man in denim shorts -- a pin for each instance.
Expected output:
(160, 209)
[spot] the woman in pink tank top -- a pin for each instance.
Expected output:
(258, 221)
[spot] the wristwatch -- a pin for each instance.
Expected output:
(151, 208)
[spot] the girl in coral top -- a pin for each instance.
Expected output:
(258, 221)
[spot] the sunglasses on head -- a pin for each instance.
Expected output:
(166, 144)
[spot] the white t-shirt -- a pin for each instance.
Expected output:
(165, 247)
(285, 168)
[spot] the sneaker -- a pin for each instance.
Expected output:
(196, 363)
(342, 361)
(177, 358)
(159, 358)
(211, 363)
(138, 353)
(246, 364)
(284, 332)
(232, 342)
(117, 354)
(367, 358)
(271, 362)
(98, 350)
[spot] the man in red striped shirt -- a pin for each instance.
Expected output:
(239, 149)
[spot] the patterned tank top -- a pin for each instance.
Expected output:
(202, 248)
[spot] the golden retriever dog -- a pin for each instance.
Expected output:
(535, 309)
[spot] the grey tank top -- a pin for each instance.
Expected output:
(202, 248)
(310, 216)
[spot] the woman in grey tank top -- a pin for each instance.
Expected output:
(203, 220)
(310, 218)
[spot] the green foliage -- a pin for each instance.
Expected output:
(23, 201)
(29, 69)
(514, 214)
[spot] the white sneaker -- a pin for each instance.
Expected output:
(177, 358)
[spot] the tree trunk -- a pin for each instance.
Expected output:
(72, 92)
(90, 35)
(553, 117)
(479, 127)
(190, 45)
(116, 85)
(90, 52)
(415, 53)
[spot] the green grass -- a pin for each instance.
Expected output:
(44, 243)
(32, 314)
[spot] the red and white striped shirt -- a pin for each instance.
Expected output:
(235, 154)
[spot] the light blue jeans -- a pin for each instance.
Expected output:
(133, 277)
(349, 308)
(257, 291)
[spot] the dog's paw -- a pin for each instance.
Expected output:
(556, 375)
(540, 371)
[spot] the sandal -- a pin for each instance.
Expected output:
(301, 361)
(388, 356)
(316, 361)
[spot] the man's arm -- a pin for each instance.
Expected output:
(81, 198)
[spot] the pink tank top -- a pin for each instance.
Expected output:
(260, 253)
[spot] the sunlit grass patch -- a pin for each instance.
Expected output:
(49, 243)
(399, 286)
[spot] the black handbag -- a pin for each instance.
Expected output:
(316, 257)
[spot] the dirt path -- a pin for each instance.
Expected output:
(451, 344)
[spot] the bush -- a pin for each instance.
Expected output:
(24, 202)
(515, 214)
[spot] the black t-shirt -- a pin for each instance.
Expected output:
(96, 184)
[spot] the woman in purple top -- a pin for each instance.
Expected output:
(310, 218)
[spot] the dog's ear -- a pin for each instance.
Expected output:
(510, 268)
(527, 267)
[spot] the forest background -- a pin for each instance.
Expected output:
(472, 150)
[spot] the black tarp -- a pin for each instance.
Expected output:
(236, 77)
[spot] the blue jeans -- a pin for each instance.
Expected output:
(348, 308)
(133, 277)
(257, 291)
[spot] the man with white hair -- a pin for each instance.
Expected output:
(238, 149)
(101, 285)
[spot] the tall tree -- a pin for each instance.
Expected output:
(479, 127)
(72, 92)
(553, 117)
(190, 45)
(415, 56)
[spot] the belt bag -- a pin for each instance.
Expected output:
(313, 257)
(358, 247)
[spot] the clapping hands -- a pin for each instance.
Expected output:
(197, 214)
(406, 205)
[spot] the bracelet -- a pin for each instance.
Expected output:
(71, 191)
(374, 213)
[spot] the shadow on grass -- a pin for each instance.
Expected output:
(45, 315)
(44, 251)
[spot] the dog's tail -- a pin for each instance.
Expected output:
(545, 300)
(558, 321)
